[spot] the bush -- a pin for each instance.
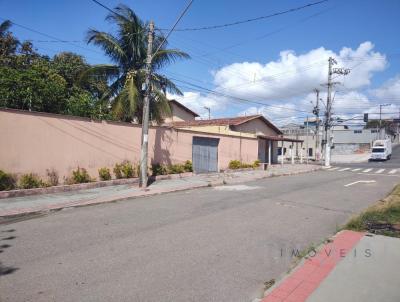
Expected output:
(124, 170)
(7, 181)
(52, 177)
(104, 174)
(256, 163)
(188, 166)
(235, 164)
(30, 181)
(79, 176)
(158, 169)
(176, 169)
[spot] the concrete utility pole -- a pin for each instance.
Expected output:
(328, 114)
(146, 108)
(380, 118)
(307, 141)
(316, 113)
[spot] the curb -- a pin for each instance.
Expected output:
(303, 280)
(23, 212)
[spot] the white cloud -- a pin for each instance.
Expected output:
(389, 90)
(294, 74)
(292, 78)
(196, 102)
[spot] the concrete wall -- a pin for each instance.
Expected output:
(179, 115)
(34, 142)
(255, 126)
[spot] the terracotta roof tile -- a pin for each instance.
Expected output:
(234, 121)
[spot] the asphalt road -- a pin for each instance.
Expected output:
(212, 244)
(393, 163)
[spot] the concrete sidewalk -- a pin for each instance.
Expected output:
(350, 158)
(39, 203)
(354, 267)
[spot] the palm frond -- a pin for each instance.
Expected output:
(159, 107)
(108, 43)
(160, 80)
(106, 71)
(168, 56)
(4, 27)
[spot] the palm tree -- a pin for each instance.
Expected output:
(8, 43)
(127, 51)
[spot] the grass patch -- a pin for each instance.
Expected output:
(382, 218)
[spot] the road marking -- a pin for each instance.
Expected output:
(355, 170)
(344, 169)
(236, 188)
(380, 171)
(360, 181)
(393, 171)
(333, 169)
(366, 170)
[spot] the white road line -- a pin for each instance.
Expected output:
(344, 169)
(380, 171)
(333, 169)
(366, 170)
(355, 170)
(360, 181)
(393, 171)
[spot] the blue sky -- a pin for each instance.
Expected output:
(218, 64)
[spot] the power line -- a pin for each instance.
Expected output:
(50, 36)
(238, 98)
(250, 20)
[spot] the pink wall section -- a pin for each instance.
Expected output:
(34, 142)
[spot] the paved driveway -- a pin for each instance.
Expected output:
(212, 244)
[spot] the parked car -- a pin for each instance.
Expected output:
(381, 149)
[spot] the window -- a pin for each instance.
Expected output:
(310, 151)
(357, 131)
(279, 150)
(374, 131)
(378, 150)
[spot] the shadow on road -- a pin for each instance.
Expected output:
(6, 237)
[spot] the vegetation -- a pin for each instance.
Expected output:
(31, 81)
(127, 50)
(158, 169)
(381, 218)
(104, 174)
(80, 175)
(7, 181)
(30, 181)
(124, 170)
(52, 177)
(237, 164)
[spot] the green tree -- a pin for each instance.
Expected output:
(127, 50)
(8, 43)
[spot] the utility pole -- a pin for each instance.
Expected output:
(328, 113)
(380, 118)
(146, 103)
(316, 113)
(146, 108)
(307, 141)
(209, 111)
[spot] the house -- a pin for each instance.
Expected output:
(253, 126)
(180, 113)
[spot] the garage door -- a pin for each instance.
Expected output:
(205, 154)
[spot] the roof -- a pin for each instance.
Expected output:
(280, 138)
(231, 121)
(184, 107)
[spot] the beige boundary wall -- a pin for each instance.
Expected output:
(34, 142)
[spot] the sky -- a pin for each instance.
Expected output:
(270, 66)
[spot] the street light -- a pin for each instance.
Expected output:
(209, 111)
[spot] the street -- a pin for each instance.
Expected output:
(210, 244)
